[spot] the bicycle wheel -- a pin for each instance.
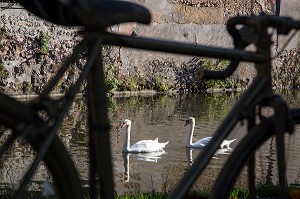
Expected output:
(238, 159)
(57, 168)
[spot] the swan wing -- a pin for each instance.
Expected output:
(202, 142)
(147, 146)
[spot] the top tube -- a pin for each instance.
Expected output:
(180, 47)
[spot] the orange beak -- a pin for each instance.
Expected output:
(123, 124)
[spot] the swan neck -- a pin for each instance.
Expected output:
(126, 146)
(190, 138)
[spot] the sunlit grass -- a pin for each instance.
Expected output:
(262, 191)
(143, 196)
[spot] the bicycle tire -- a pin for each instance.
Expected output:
(238, 159)
(59, 164)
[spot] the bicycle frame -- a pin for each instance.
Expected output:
(260, 90)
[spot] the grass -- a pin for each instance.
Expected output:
(262, 190)
(143, 196)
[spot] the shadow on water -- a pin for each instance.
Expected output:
(164, 116)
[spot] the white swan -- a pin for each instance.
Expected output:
(204, 141)
(143, 146)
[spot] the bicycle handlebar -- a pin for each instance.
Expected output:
(245, 35)
(208, 74)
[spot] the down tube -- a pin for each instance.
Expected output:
(251, 96)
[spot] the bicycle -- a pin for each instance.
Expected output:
(37, 122)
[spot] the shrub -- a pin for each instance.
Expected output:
(160, 85)
(209, 64)
(111, 81)
(26, 87)
(133, 84)
(3, 72)
(2, 32)
(43, 40)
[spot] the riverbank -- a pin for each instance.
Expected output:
(128, 93)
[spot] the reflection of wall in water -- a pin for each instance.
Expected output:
(14, 164)
(266, 160)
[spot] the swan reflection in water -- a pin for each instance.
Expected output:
(222, 151)
(148, 157)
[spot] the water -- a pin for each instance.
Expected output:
(164, 116)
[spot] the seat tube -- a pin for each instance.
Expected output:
(98, 123)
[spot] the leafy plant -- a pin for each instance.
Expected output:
(133, 85)
(264, 190)
(43, 40)
(142, 83)
(234, 194)
(26, 87)
(111, 81)
(160, 85)
(209, 64)
(3, 32)
(3, 72)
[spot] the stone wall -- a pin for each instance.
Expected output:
(194, 21)
(26, 68)
(291, 8)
